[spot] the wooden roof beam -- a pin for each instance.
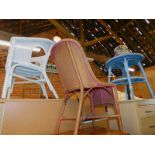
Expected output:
(110, 31)
(62, 29)
(91, 42)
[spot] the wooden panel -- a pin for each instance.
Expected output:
(34, 116)
(39, 116)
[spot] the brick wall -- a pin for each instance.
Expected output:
(32, 90)
(3, 56)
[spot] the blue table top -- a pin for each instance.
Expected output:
(117, 61)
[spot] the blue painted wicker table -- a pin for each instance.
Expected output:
(123, 62)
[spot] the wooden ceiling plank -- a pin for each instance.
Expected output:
(127, 41)
(110, 31)
(139, 43)
(20, 26)
(126, 25)
(144, 33)
(130, 44)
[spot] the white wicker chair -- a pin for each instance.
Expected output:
(21, 64)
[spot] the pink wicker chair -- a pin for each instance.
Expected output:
(78, 78)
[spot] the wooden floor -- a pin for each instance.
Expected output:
(97, 131)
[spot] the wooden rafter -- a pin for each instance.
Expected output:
(110, 31)
(62, 29)
(98, 40)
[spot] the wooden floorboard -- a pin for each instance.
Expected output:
(97, 131)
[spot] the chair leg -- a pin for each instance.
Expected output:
(13, 81)
(50, 85)
(9, 93)
(10, 89)
(146, 80)
(93, 113)
(119, 120)
(79, 113)
(43, 88)
(10, 84)
(60, 118)
(5, 85)
(4, 91)
(117, 110)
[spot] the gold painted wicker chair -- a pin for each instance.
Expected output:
(77, 77)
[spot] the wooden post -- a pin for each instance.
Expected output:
(82, 37)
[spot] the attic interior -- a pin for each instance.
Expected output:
(98, 38)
